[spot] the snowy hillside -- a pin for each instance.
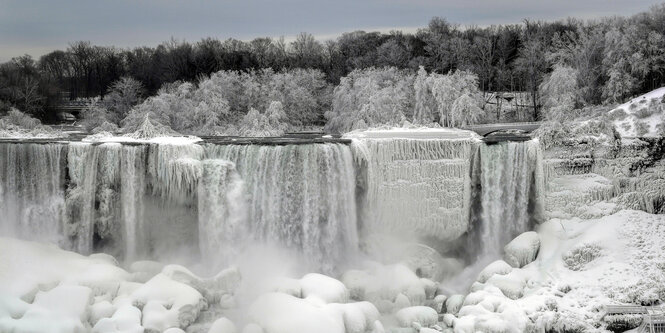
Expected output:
(642, 116)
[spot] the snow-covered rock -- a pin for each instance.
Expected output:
(282, 313)
(380, 283)
(454, 303)
(168, 303)
(510, 285)
(423, 315)
(523, 249)
(499, 267)
(285, 285)
(127, 319)
(222, 325)
(324, 287)
(103, 309)
(252, 328)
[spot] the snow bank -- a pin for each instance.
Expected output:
(281, 313)
(642, 116)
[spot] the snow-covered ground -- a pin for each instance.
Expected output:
(581, 266)
(642, 116)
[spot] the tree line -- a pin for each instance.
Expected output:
(606, 60)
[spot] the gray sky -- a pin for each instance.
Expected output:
(36, 27)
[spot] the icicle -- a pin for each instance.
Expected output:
(175, 171)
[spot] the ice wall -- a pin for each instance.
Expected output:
(415, 188)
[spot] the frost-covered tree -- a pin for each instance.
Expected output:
(424, 101)
(465, 110)
(270, 123)
(123, 95)
(558, 92)
(446, 89)
(94, 114)
(371, 97)
(171, 107)
(277, 117)
(622, 65)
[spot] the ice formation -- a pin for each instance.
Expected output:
(415, 187)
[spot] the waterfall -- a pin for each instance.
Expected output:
(511, 191)
(143, 200)
(222, 212)
(92, 198)
(132, 191)
(300, 196)
(31, 190)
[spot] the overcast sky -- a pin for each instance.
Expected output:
(39, 26)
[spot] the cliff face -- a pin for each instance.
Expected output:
(622, 174)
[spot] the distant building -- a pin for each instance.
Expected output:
(504, 106)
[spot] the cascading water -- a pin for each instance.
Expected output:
(222, 212)
(511, 190)
(300, 196)
(132, 191)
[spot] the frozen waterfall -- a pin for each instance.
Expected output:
(31, 191)
(210, 201)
